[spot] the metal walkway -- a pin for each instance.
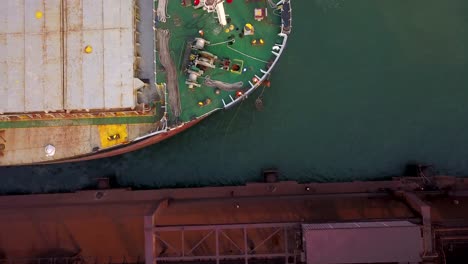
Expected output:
(226, 243)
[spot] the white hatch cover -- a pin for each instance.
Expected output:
(66, 55)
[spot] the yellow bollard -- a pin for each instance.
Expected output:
(39, 14)
(88, 49)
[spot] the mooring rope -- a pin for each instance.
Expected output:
(247, 55)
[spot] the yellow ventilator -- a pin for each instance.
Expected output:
(88, 49)
(39, 14)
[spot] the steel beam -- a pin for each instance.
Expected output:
(149, 220)
(187, 258)
(230, 240)
(149, 239)
(199, 242)
(234, 226)
(217, 245)
(182, 238)
(166, 243)
(425, 211)
(285, 234)
(246, 257)
(266, 239)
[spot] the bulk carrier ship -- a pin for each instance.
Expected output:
(88, 79)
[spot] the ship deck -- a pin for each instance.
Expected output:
(105, 93)
(184, 23)
(72, 77)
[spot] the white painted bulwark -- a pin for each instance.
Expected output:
(43, 63)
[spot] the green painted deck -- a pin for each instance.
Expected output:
(184, 23)
(83, 121)
(79, 122)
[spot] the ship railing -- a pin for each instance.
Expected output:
(154, 41)
(210, 112)
(72, 115)
(280, 48)
(164, 88)
(162, 128)
(286, 18)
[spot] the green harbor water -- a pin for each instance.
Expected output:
(364, 87)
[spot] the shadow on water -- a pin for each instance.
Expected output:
(364, 87)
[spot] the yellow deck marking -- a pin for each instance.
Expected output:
(110, 131)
